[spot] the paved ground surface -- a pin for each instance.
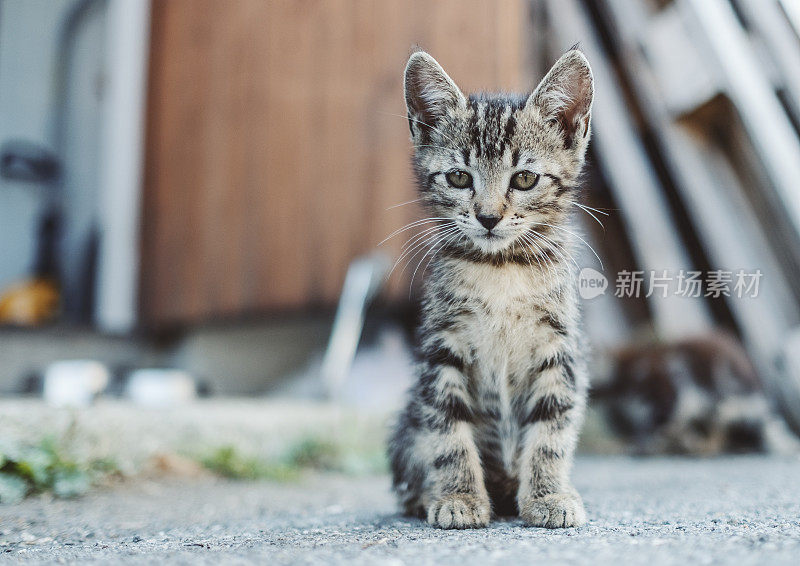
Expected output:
(662, 511)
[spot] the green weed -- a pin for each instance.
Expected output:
(47, 467)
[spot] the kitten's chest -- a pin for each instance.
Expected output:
(504, 334)
(503, 344)
(508, 309)
(505, 338)
(499, 320)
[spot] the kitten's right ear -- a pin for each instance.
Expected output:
(430, 92)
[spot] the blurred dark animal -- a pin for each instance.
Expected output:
(699, 396)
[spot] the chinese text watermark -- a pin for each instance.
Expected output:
(661, 283)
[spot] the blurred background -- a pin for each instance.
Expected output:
(192, 193)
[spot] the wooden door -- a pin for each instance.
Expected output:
(277, 140)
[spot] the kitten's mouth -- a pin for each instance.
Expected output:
(491, 242)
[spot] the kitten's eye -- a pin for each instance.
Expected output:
(524, 181)
(459, 179)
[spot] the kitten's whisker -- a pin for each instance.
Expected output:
(417, 222)
(409, 251)
(540, 244)
(432, 241)
(590, 213)
(547, 269)
(527, 255)
(420, 244)
(461, 235)
(443, 243)
(407, 117)
(418, 235)
(420, 221)
(577, 236)
(557, 247)
(551, 273)
(597, 210)
(422, 234)
(411, 225)
(433, 145)
(404, 203)
(533, 237)
(419, 239)
(427, 249)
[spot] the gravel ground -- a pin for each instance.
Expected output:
(654, 511)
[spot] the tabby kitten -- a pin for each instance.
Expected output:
(493, 417)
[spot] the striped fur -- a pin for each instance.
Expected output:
(492, 421)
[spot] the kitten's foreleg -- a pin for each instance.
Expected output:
(455, 494)
(550, 422)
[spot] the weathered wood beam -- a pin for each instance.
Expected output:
(653, 235)
(714, 25)
(715, 201)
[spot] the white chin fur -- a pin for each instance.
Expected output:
(491, 245)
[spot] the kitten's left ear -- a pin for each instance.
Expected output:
(565, 97)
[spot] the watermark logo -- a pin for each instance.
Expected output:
(591, 283)
(661, 283)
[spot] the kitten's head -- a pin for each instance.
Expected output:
(499, 166)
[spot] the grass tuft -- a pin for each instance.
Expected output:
(308, 454)
(229, 462)
(48, 467)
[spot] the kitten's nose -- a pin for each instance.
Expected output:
(488, 222)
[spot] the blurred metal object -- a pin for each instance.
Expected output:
(78, 239)
(74, 383)
(365, 277)
(53, 277)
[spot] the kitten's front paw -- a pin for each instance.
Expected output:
(554, 511)
(459, 511)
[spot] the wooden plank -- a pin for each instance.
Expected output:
(792, 10)
(782, 44)
(227, 141)
(713, 196)
(637, 190)
(174, 139)
(774, 140)
(387, 135)
(684, 81)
